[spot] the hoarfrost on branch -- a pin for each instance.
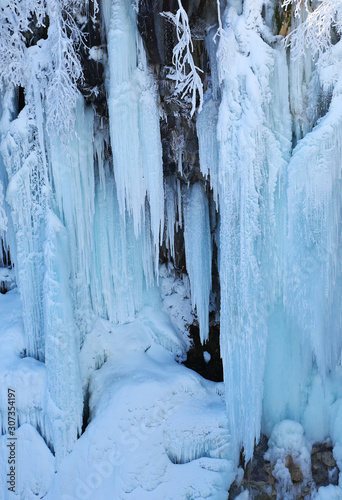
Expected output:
(185, 72)
(316, 29)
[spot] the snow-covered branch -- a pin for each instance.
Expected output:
(52, 65)
(63, 72)
(16, 19)
(315, 31)
(185, 73)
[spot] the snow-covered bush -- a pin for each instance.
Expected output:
(16, 21)
(63, 70)
(48, 68)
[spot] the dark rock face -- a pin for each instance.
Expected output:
(92, 86)
(179, 136)
(257, 479)
(212, 369)
(178, 129)
(157, 32)
(257, 469)
(323, 465)
(5, 255)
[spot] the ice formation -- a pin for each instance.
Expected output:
(134, 122)
(252, 138)
(198, 241)
(287, 439)
(97, 327)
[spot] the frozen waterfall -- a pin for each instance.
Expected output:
(130, 243)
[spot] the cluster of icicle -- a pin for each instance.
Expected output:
(84, 236)
(85, 231)
(276, 179)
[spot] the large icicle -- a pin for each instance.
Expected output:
(173, 212)
(6, 232)
(134, 122)
(118, 277)
(72, 170)
(26, 194)
(208, 143)
(198, 251)
(62, 344)
(250, 156)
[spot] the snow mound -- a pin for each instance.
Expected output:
(7, 279)
(157, 429)
(25, 375)
(287, 446)
(34, 465)
(329, 493)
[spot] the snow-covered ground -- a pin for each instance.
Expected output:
(157, 429)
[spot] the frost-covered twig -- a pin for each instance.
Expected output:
(185, 72)
(298, 6)
(315, 32)
(63, 73)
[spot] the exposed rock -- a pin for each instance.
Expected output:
(328, 459)
(92, 54)
(323, 465)
(283, 19)
(178, 129)
(256, 469)
(294, 469)
(257, 479)
(261, 484)
(159, 35)
(211, 370)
